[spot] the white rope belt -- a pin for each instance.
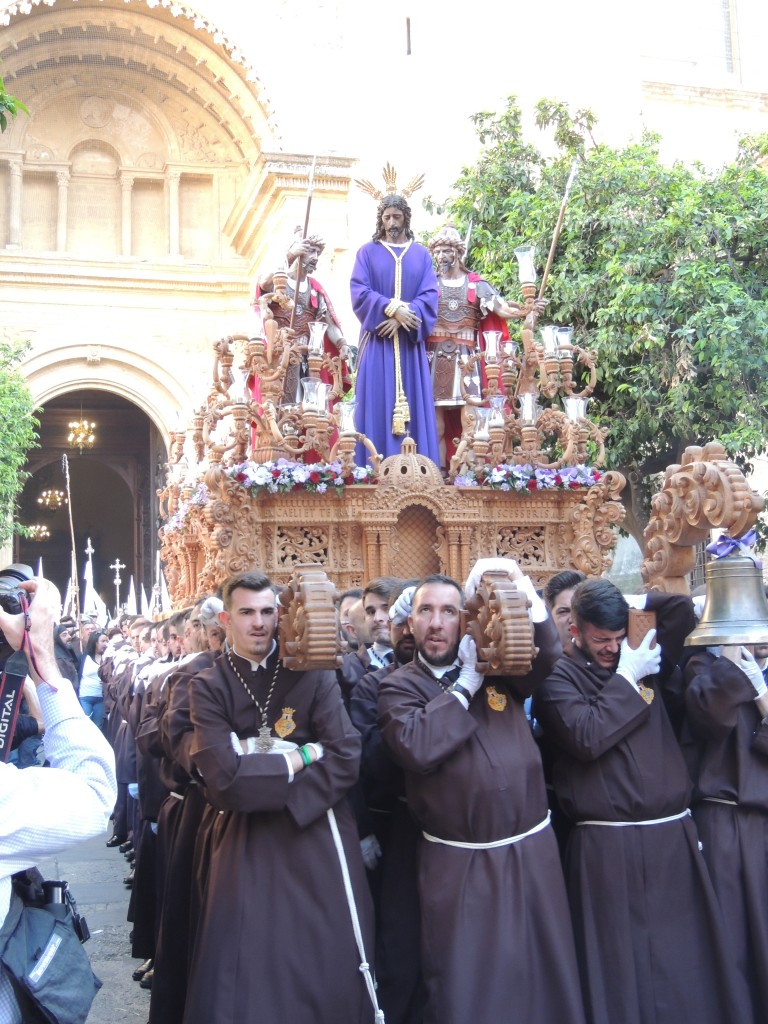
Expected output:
(176, 796)
(650, 821)
(493, 845)
(365, 968)
(718, 800)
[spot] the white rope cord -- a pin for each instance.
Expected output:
(365, 967)
(631, 824)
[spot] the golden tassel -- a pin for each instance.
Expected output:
(401, 413)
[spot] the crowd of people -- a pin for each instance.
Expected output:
(410, 840)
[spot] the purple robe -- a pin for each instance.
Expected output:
(373, 286)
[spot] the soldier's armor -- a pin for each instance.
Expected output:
(454, 335)
(306, 314)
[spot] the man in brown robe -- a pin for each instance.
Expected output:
(647, 925)
(496, 935)
(277, 754)
(725, 740)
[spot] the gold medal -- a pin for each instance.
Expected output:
(646, 693)
(496, 701)
(285, 724)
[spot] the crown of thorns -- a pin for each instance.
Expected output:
(390, 185)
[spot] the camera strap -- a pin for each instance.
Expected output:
(11, 692)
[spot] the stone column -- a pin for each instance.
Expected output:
(174, 232)
(14, 205)
(62, 181)
(126, 186)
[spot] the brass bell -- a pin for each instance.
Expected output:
(735, 611)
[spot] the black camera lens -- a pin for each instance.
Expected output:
(10, 578)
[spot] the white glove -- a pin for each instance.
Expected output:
(371, 851)
(482, 565)
(133, 790)
(469, 677)
(753, 672)
(645, 661)
(539, 611)
(401, 609)
(636, 601)
(698, 605)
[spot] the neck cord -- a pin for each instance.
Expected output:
(401, 414)
(264, 741)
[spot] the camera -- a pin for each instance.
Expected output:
(10, 591)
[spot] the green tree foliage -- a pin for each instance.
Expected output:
(19, 432)
(9, 107)
(662, 270)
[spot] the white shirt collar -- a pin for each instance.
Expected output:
(256, 664)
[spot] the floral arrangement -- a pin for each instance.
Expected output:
(529, 478)
(178, 519)
(283, 475)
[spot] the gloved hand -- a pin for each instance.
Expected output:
(645, 661)
(539, 611)
(482, 565)
(133, 790)
(401, 609)
(469, 677)
(753, 672)
(636, 601)
(371, 851)
(698, 605)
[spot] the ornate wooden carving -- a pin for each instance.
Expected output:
(500, 624)
(706, 491)
(309, 635)
(351, 536)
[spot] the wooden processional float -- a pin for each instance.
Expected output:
(498, 619)
(707, 492)
(256, 483)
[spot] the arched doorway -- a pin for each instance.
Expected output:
(112, 486)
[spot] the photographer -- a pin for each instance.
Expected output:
(45, 810)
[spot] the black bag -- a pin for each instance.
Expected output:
(42, 954)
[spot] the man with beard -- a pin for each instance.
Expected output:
(394, 295)
(276, 754)
(312, 305)
(496, 934)
(467, 307)
(647, 925)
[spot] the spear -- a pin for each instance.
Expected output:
(73, 566)
(310, 187)
(558, 226)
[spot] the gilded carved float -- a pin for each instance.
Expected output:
(704, 492)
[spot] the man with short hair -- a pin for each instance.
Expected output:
(394, 296)
(276, 754)
(557, 595)
(343, 603)
(496, 935)
(648, 929)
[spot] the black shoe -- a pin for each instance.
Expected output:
(146, 981)
(139, 973)
(128, 880)
(130, 857)
(115, 841)
(125, 846)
